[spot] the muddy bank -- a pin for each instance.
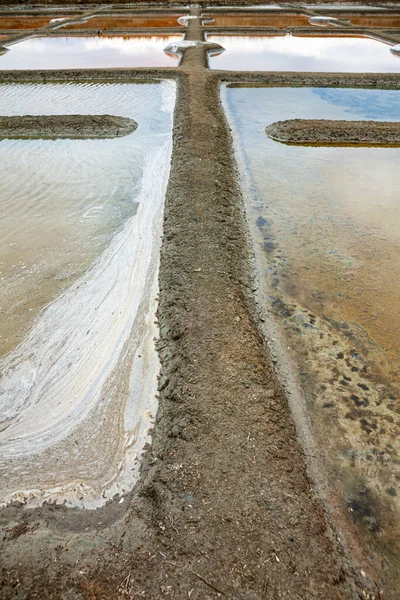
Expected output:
(324, 132)
(233, 78)
(74, 127)
(331, 80)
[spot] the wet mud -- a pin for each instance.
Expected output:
(312, 131)
(78, 127)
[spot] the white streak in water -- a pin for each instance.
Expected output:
(53, 380)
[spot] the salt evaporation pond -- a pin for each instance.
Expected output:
(326, 228)
(81, 230)
(28, 22)
(354, 7)
(125, 22)
(378, 21)
(257, 7)
(303, 53)
(280, 20)
(88, 52)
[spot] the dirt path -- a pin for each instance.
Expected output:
(225, 507)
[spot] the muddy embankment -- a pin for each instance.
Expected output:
(77, 127)
(335, 133)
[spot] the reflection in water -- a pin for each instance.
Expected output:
(280, 20)
(90, 52)
(81, 228)
(303, 53)
(126, 22)
(326, 226)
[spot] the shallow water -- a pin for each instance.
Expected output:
(326, 226)
(126, 22)
(354, 7)
(89, 52)
(81, 227)
(251, 7)
(303, 53)
(25, 22)
(259, 20)
(379, 21)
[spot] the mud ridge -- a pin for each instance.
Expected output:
(78, 127)
(324, 132)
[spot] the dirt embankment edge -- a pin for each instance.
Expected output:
(329, 132)
(77, 127)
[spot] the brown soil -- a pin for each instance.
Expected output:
(314, 131)
(225, 506)
(51, 127)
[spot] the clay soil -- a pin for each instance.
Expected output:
(225, 506)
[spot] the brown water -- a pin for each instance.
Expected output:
(379, 21)
(90, 52)
(326, 226)
(127, 22)
(352, 54)
(28, 22)
(257, 20)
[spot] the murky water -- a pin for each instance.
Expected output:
(80, 229)
(377, 21)
(89, 52)
(303, 53)
(283, 20)
(326, 225)
(126, 22)
(355, 7)
(257, 20)
(258, 7)
(25, 22)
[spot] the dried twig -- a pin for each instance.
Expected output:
(211, 585)
(67, 542)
